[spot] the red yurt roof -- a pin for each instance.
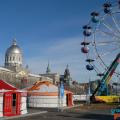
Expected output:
(6, 86)
(44, 88)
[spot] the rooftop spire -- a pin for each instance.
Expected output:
(67, 67)
(48, 68)
(14, 41)
(67, 72)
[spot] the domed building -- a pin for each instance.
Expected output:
(13, 57)
(14, 71)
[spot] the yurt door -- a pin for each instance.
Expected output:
(69, 99)
(12, 104)
(7, 111)
(16, 103)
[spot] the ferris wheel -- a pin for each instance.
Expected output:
(101, 42)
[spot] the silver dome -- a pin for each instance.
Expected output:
(13, 56)
(13, 49)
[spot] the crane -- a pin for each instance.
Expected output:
(102, 86)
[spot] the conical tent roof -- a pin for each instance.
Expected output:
(44, 88)
(6, 86)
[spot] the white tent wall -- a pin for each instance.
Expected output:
(45, 101)
(1, 106)
(23, 107)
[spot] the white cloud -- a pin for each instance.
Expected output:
(63, 52)
(65, 45)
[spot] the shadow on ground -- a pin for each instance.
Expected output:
(96, 117)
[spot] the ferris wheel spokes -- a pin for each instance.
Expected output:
(117, 26)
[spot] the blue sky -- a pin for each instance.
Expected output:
(47, 30)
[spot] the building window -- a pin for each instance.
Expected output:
(7, 58)
(10, 58)
(13, 58)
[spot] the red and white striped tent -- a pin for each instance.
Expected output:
(12, 100)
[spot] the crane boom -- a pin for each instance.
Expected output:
(107, 77)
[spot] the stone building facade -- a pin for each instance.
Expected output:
(13, 71)
(54, 76)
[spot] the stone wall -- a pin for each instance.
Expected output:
(21, 81)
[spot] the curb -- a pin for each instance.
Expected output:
(64, 108)
(21, 116)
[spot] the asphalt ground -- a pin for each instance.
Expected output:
(79, 112)
(68, 116)
(76, 113)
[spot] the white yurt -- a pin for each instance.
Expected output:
(45, 94)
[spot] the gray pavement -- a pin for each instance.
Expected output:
(31, 112)
(77, 113)
(69, 114)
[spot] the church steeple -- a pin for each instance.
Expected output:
(67, 73)
(48, 69)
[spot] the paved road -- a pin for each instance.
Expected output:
(69, 115)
